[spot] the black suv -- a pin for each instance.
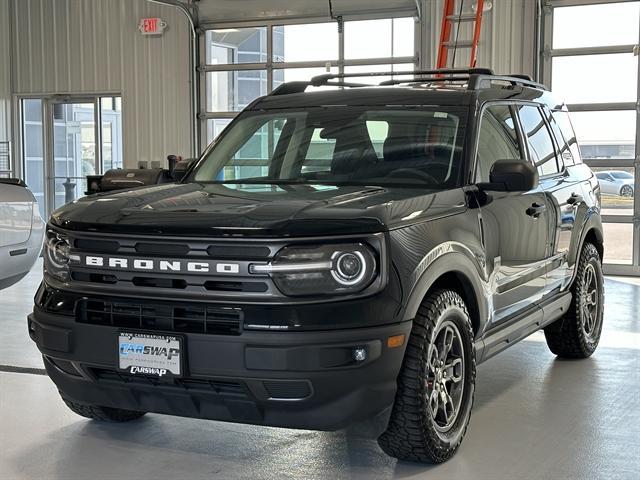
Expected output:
(343, 257)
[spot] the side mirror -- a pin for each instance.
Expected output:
(511, 176)
(181, 168)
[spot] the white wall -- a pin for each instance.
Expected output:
(507, 37)
(94, 46)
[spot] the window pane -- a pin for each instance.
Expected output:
(617, 188)
(618, 243)
(300, 43)
(298, 74)
(605, 134)
(541, 146)
(596, 25)
(232, 91)
(574, 81)
(379, 38)
(498, 140)
(398, 67)
(215, 127)
(236, 45)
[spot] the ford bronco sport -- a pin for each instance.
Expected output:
(341, 257)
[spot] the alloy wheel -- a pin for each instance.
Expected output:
(626, 191)
(590, 302)
(445, 376)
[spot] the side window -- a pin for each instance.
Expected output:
(497, 140)
(541, 146)
(563, 152)
(564, 123)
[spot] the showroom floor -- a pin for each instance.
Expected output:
(534, 417)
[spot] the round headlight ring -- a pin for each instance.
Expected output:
(58, 251)
(338, 271)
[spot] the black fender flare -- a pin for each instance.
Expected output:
(593, 221)
(449, 259)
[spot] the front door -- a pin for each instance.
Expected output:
(515, 226)
(64, 139)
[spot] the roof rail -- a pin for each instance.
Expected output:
(476, 78)
(482, 81)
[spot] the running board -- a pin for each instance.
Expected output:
(521, 327)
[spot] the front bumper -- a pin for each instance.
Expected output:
(303, 380)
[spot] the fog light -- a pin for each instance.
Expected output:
(359, 354)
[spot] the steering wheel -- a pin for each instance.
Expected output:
(413, 172)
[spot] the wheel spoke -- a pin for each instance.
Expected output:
(447, 341)
(434, 360)
(434, 403)
(454, 370)
(447, 406)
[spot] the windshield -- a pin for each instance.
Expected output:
(340, 145)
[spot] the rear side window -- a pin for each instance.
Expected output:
(541, 147)
(497, 140)
(569, 137)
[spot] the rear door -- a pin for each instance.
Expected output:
(515, 226)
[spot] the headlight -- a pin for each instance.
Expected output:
(322, 270)
(56, 255)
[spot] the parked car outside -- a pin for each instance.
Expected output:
(616, 182)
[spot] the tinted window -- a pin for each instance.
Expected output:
(564, 123)
(497, 140)
(602, 176)
(541, 146)
(340, 145)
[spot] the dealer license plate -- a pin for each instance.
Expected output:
(150, 354)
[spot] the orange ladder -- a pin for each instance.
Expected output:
(449, 17)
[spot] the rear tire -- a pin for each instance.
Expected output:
(577, 334)
(436, 383)
(103, 414)
(626, 191)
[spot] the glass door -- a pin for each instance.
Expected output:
(66, 138)
(74, 149)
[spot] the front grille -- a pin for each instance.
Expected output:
(186, 318)
(191, 384)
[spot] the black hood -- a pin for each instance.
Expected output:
(195, 209)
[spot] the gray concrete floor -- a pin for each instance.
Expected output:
(534, 417)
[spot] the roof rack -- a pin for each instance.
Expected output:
(476, 78)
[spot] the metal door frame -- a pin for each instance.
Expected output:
(48, 100)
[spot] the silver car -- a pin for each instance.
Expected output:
(21, 231)
(616, 182)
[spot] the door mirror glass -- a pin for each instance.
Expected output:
(511, 176)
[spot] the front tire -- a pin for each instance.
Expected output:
(103, 414)
(577, 334)
(436, 383)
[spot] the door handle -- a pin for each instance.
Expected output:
(535, 210)
(575, 199)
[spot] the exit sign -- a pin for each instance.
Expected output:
(152, 26)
